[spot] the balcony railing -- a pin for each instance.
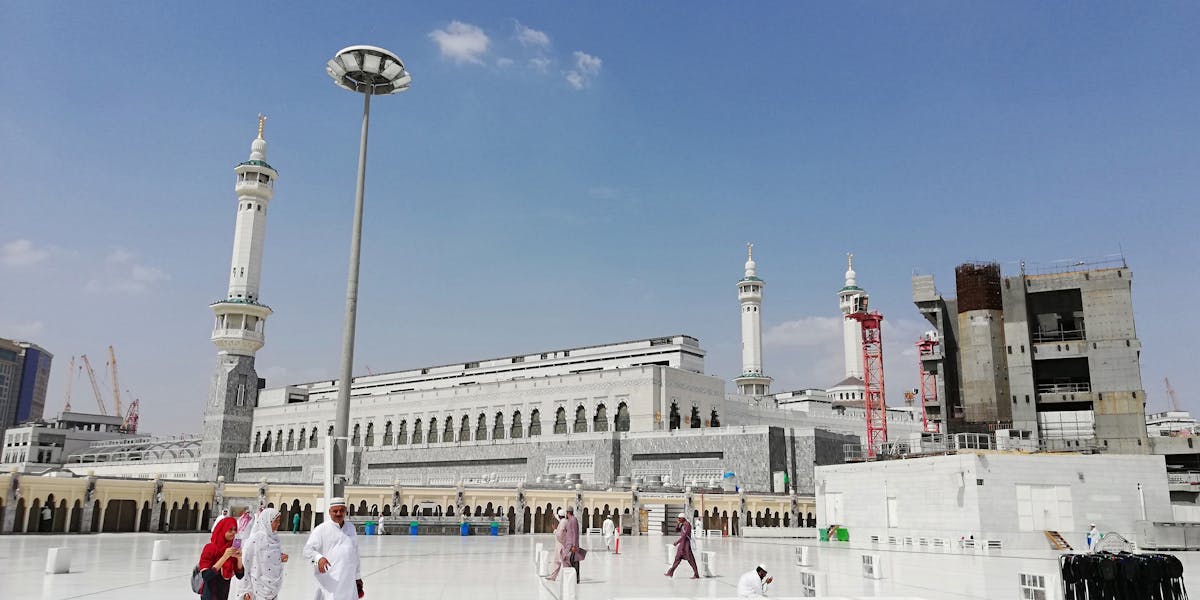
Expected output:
(1064, 388)
(1061, 335)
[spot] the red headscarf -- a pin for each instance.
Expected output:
(216, 547)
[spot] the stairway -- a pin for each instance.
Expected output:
(1057, 541)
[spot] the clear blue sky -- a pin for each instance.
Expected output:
(566, 174)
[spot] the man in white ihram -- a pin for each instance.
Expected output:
(753, 584)
(608, 530)
(333, 548)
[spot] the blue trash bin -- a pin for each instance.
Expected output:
(412, 528)
(495, 529)
(466, 529)
(369, 528)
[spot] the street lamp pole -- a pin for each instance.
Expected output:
(370, 71)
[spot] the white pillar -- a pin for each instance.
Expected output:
(58, 560)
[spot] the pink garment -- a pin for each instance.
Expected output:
(566, 537)
(243, 524)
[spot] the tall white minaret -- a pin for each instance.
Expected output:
(238, 332)
(852, 298)
(752, 381)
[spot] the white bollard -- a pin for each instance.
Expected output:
(162, 550)
(670, 554)
(58, 560)
(568, 583)
(708, 564)
(543, 568)
(537, 552)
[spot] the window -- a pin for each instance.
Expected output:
(808, 584)
(1033, 587)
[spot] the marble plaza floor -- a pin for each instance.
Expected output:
(500, 568)
(118, 565)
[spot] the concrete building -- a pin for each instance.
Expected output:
(43, 445)
(239, 329)
(24, 375)
(1001, 501)
(1178, 423)
(1059, 358)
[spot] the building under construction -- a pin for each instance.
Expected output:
(1053, 355)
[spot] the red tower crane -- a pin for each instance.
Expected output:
(875, 402)
(927, 346)
(131, 418)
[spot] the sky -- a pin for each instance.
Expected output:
(571, 174)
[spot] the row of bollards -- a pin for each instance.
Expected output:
(58, 560)
(545, 561)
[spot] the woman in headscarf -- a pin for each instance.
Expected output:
(220, 561)
(263, 558)
(245, 521)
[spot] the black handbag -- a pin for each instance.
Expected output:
(197, 580)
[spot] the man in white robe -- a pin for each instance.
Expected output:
(609, 530)
(753, 584)
(333, 549)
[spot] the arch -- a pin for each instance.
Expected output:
(205, 517)
(402, 432)
(369, 441)
(498, 427)
(330, 434)
(695, 420)
(291, 440)
(450, 510)
(418, 436)
(527, 523)
(120, 516)
(581, 424)
(61, 515)
(516, 432)
(355, 438)
(306, 518)
(535, 422)
(258, 441)
(279, 440)
(537, 519)
(301, 439)
(809, 520)
(621, 421)
(387, 510)
(145, 516)
(312, 438)
(76, 523)
(560, 420)
(94, 526)
(787, 519)
(481, 428)
(448, 433)
(674, 419)
(33, 524)
(600, 421)
(362, 508)
(403, 511)
(266, 447)
(464, 429)
(512, 520)
(19, 516)
(714, 420)
(388, 436)
(433, 430)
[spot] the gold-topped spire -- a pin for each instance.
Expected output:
(749, 251)
(849, 261)
(262, 119)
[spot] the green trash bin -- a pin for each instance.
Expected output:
(823, 535)
(412, 528)
(843, 534)
(495, 528)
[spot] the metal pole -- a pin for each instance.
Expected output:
(336, 479)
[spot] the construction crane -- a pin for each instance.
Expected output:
(875, 403)
(1172, 396)
(70, 381)
(927, 346)
(112, 364)
(129, 425)
(95, 386)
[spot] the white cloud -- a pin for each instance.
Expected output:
(461, 42)
(22, 253)
(529, 36)
(539, 64)
(587, 67)
(504, 63)
(122, 275)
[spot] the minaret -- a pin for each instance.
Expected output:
(238, 332)
(852, 298)
(752, 381)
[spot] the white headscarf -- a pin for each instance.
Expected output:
(261, 555)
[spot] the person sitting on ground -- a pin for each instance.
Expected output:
(753, 584)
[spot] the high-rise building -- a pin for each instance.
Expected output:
(752, 381)
(24, 375)
(238, 332)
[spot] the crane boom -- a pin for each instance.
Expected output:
(112, 363)
(70, 381)
(1171, 394)
(95, 386)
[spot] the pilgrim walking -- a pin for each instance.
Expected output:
(263, 558)
(683, 549)
(333, 548)
(220, 561)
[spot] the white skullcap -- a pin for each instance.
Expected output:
(760, 566)
(337, 502)
(560, 513)
(682, 516)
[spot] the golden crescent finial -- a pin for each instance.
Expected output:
(850, 261)
(262, 119)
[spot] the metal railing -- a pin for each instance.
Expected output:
(1064, 388)
(1062, 335)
